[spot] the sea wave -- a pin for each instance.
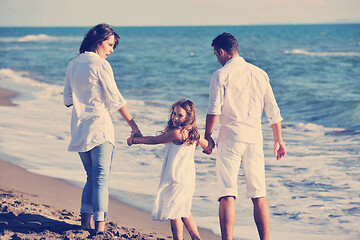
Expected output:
(34, 38)
(41, 38)
(16, 80)
(21, 77)
(322, 54)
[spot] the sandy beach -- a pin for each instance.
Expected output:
(34, 206)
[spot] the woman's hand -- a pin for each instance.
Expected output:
(130, 140)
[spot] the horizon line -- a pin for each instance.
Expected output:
(210, 25)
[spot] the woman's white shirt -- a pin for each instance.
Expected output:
(90, 87)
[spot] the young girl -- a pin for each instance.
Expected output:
(177, 184)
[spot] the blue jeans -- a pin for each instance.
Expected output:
(95, 195)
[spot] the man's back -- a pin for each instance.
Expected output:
(239, 92)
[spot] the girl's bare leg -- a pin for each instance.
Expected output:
(190, 225)
(177, 229)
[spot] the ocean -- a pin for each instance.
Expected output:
(314, 193)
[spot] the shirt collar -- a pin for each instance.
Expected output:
(84, 57)
(235, 59)
(91, 54)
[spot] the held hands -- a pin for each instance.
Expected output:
(210, 147)
(130, 140)
(279, 150)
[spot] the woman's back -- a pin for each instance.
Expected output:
(88, 79)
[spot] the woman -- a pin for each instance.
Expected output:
(91, 89)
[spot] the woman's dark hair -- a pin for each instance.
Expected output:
(227, 42)
(95, 36)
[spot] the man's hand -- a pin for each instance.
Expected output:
(207, 151)
(279, 150)
(279, 146)
(211, 145)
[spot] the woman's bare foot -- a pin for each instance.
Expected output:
(86, 221)
(100, 226)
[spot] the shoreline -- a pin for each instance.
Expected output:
(5, 97)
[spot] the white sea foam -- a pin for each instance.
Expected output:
(41, 38)
(10, 75)
(312, 193)
(34, 38)
(322, 54)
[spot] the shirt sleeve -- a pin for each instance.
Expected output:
(271, 108)
(113, 98)
(216, 95)
(67, 93)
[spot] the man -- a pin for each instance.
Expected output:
(240, 92)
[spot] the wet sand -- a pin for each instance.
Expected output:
(5, 97)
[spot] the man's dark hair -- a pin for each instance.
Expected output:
(227, 42)
(95, 36)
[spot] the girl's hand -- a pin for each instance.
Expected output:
(170, 136)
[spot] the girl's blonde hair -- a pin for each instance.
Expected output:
(190, 121)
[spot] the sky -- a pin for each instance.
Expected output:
(176, 12)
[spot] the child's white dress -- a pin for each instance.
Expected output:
(177, 183)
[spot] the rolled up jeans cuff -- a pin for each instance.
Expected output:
(99, 216)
